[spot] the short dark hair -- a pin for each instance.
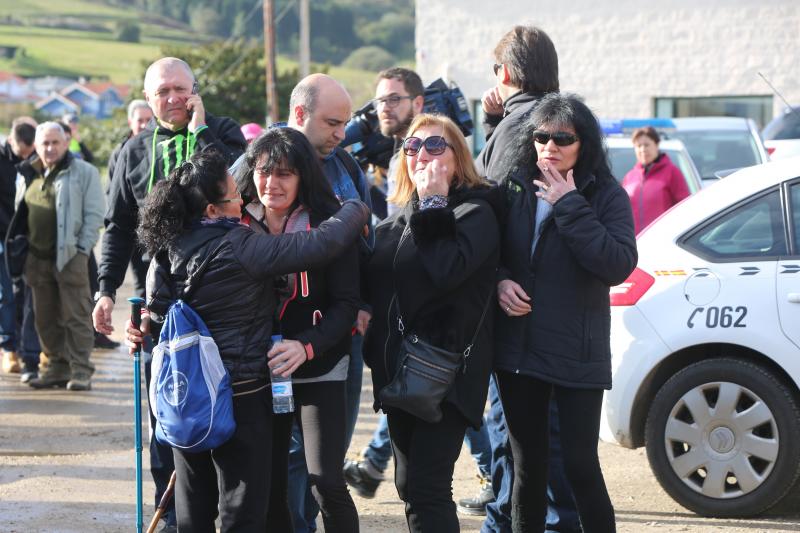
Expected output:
(284, 145)
(23, 133)
(411, 80)
(531, 59)
(648, 131)
(559, 110)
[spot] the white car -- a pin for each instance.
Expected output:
(622, 159)
(705, 340)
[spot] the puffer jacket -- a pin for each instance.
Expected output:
(653, 189)
(235, 296)
(587, 245)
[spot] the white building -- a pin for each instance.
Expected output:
(630, 58)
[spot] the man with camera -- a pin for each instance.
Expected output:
(181, 126)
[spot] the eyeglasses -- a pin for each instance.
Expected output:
(434, 145)
(561, 138)
(391, 101)
(496, 67)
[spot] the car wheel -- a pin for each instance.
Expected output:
(723, 438)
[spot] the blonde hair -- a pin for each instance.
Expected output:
(465, 173)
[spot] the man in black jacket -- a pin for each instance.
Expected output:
(18, 148)
(180, 127)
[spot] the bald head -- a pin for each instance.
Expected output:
(320, 107)
(167, 84)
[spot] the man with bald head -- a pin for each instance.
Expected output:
(320, 107)
(180, 127)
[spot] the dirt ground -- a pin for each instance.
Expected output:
(67, 464)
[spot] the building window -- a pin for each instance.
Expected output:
(759, 108)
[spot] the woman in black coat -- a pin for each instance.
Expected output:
(191, 218)
(285, 191)
(438, 284)
(568, 237)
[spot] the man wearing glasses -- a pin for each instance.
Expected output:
(399, 98)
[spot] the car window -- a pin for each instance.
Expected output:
(795, 194)
(786, 126)
(754, 229)
(715, 150)
(683, 163)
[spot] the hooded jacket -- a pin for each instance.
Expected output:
(135, 173)
(653, 189)
(235, 296)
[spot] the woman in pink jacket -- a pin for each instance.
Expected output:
(654, 184)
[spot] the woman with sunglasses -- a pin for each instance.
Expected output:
(433, 273)
(568, 237)
(285, 191)
(190, 219)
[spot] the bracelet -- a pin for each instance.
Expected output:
(429, 202)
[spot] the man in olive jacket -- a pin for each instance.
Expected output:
(61, 214)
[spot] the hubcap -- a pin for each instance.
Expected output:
(721, 440)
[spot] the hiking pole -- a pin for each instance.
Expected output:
(162, 505)
(136, 320)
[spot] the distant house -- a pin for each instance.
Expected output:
(12, 87)
(98, 99)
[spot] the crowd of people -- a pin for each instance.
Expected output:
(505, 261)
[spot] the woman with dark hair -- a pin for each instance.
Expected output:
(654, 184)
(193, 218)
(285, 191)
(568, 237)
(432, 275)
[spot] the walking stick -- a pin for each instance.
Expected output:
(162, 505)
(136, 320)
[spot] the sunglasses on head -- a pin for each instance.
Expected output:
(561, 138)
(434, 145)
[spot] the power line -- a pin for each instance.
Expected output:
(232, 38)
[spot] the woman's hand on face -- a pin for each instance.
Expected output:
(287, 354)
(512, 298)
(133, 336)
(433, 180)
(553, 186)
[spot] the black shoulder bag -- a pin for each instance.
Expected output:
(426, 373)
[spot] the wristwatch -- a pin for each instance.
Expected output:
(100, 294)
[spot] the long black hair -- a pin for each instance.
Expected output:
(563, 109)
(283, 146)
(175, 203)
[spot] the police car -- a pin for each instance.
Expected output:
(705, 339)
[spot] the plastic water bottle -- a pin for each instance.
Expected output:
(282, 397)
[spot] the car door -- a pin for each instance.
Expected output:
(788, 272)
(731, 296)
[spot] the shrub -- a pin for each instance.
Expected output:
(372, 58)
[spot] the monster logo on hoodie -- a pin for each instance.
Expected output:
(170, 152)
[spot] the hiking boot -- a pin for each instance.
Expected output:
(28, 375)
(101, 342)
(477, 506)
(77, 384)
(360, 480)
(48, 382)
(11, 363)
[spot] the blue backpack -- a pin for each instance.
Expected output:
(190, 390)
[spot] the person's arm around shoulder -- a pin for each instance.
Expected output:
(264, 255)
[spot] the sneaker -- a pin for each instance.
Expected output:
(48, 382)
(11, 364)
(101, 342)
(77, 384)
(356, 475)
(28, 375)
(477, 506)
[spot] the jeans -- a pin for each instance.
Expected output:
(477, 440)
(8, 312)
(379, 449)
(28, 346)
(355, 373)
(302, 505)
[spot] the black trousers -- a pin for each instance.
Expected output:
(424, 457)
(234, 477)
(526, 402)
(320, 409)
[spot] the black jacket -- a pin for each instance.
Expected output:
(586, 246)
(235, 296)
(445, 272)
(112, 159)
(331, 292)
(134, 174)
(501, 133)
(8, 187)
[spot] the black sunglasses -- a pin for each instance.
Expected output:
(561, 138)
(434, 145)
(496, 67)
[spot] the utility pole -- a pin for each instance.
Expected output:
(269, 62)
(305, 39)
